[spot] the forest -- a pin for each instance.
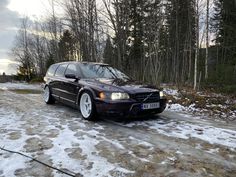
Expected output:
(184, 43)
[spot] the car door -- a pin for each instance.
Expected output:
(58, 88)
(71, 85)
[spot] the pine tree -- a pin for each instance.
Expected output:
(108, 54)
(136, 37)
(224, 26)
(67, 46)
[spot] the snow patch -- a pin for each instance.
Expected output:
(175, 107)
(87, 143)
(11, 86)
(213, 151)
(139, 142)
(179, 108)
(11, 162)
(184, 130)
(172, 92)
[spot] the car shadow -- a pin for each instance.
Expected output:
(126, 120)
(116, 119)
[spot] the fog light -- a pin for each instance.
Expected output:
(102, 95)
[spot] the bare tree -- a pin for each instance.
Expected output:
(53, 29)
(21, 51)
(118, 15)
(84, 23)
(197, 43)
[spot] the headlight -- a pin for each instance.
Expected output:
(161, 94)
(119, 96)
(114, 96)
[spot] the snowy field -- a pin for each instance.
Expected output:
(174, 143)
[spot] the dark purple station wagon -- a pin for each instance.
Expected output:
(99, 89)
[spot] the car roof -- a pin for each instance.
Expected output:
(82, 62)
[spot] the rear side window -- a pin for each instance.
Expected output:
(61, 70)
(52, 70)
(71, 69)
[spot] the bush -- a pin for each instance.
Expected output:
(228, 89)
(36, 80)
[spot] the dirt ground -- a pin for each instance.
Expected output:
(170, 144)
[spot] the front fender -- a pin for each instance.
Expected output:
(82, 90)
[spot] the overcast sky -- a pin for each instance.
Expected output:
(11, 11)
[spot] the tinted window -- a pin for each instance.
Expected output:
(61, 70)
(71, 69)
(52, 70)
(102, 71)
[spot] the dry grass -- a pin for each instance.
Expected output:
(209, 102)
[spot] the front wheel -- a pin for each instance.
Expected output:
(47, 96)
(87, 107)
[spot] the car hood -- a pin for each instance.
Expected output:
(119, 85)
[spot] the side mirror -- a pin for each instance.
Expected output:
(71, 76)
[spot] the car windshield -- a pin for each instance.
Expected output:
(101, 71)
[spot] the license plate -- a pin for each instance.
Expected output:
(151, 105)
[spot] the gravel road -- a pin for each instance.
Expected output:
(169, 144)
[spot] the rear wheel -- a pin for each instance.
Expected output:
(47, 96)
(87, 107)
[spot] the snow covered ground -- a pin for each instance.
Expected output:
(185, 130)
(171, 144)
(11, 86)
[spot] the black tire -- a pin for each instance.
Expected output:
(86, 114)
(47, 96)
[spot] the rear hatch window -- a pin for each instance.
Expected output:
(52, 70)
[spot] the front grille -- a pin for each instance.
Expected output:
(140, 97)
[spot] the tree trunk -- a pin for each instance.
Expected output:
(207, 40)
(197, 43)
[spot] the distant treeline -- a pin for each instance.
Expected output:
(182, 42)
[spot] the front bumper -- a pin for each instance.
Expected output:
(126, 108)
